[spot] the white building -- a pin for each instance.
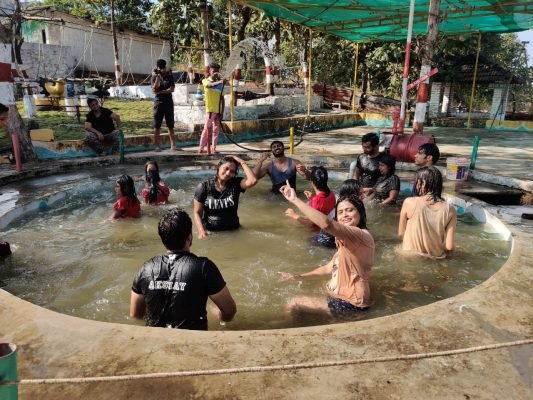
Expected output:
(59, 47)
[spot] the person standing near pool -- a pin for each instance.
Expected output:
(216, 200)
(214, 108)
(427, 222)
(162, 83)
(281, 169)
(348, 289)
(171, 289)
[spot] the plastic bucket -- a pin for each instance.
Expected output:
(83, 100)
(8, 371)
(70, 105)
(457, 168)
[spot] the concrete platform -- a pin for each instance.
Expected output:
(477, 345)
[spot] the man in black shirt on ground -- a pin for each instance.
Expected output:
(172, 289)
(100, 131)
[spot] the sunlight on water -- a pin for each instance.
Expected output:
(69, 259)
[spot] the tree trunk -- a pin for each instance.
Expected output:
(204, 11)
(246, 14)
(118, 70)
(15, 125)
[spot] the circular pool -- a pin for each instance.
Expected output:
(68, 258)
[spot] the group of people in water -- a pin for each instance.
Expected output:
(172, 289)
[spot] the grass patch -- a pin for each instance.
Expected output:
(136, 117)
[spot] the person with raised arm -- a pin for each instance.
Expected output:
(348, 288)
(216, 200)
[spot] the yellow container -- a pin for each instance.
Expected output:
(42, 135)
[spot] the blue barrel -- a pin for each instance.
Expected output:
(8, 372)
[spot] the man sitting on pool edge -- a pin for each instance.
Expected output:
(281, 169)
(172, 288)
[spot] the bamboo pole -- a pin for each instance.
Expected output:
(355, 75)
(474, 81)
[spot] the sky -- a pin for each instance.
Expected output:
(527, 36)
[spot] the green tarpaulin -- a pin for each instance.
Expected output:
(371, 20)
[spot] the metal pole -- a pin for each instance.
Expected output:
(310, 65)
(355, 75)
(473, 158)
(291, 140)
(406, 65)
(231, 94)
(121, 146)
(474, 81)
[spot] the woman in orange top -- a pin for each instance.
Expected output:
(348, 289)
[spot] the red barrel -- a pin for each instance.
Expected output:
(405, 147)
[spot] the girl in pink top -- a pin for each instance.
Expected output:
(154, 192)
(128, 205)
(348, 288)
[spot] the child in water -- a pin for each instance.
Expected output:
(127, 205)
(154, 192)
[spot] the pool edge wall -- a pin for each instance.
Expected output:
(53, 345)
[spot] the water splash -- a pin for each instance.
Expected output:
(245, 46)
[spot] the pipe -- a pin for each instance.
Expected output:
(474, 81)
(473, 157)
(121, 146)
(355, 75)
(310, 64)
(406, 66)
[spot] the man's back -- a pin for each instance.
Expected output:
(175, 287)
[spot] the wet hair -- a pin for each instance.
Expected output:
(276, 142)
(174, 229)
(3, 108)
(430, 149)
(390, 162)
(350, 187)
(428, 180)
(227, 159)
(161, 63)
(358, 204)
(91, 100)
(153, 179)
(148, 163)
(127, 188)
(319, 177)
(215, 66)
(372, 138)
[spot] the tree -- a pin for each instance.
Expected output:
(15, 125)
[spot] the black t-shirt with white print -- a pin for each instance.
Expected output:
(220, 208)
(175, 288)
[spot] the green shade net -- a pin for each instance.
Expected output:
(384, 20)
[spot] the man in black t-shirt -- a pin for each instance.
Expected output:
(172, 289)
(100, 131)
(162, 83)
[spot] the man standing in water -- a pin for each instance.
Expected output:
(366, 169)
(281, 169)
(162, 86)
(172, 289)
(427, 156)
